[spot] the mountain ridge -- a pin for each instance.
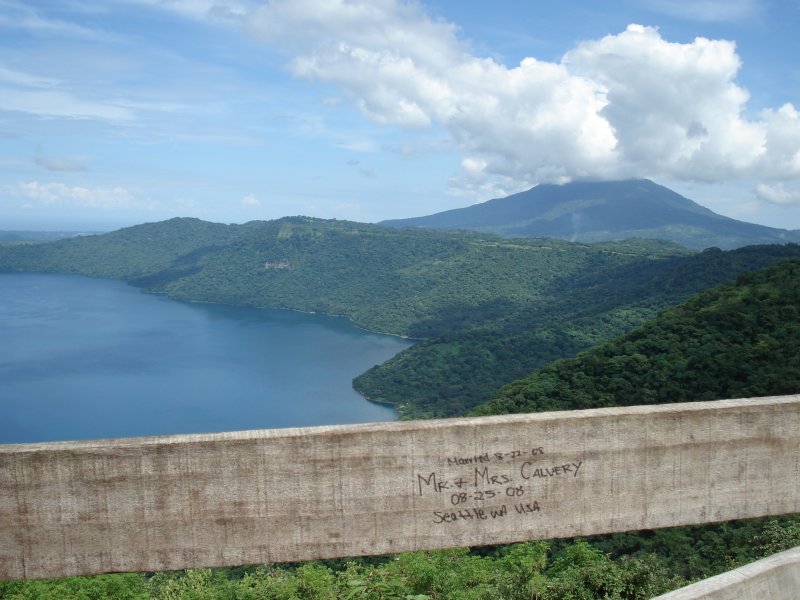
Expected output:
(594, 211)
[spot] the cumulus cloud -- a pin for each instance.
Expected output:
(782, 129)
(674, 109)
(59, 194)
(628, 105)
(778, 194)
(632, 104)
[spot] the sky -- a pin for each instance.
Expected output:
(121, 112)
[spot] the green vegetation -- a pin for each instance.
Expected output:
(624, 567)
(449, 374)
(488, 310)
(735, 341)
(124, 254)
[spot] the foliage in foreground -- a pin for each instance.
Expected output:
(605, 567)
(522, 572)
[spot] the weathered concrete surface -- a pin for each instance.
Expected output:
(774, 578)
(296, 494)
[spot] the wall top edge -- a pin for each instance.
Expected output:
(401, 426)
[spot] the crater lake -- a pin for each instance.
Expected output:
(89, 358)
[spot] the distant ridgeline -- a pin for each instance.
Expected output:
(31, 237)
(488, 310)
(595, 211)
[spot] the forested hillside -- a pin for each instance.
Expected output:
(735, 341)
(123, 254)
(412, 283)
(488, 310)
(450, 374)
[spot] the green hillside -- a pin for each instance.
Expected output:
(412, 283)
(488, 310)
(450, 374)
(123, 254)
(735, 341)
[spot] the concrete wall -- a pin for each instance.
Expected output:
(296, 494)
(773, 578)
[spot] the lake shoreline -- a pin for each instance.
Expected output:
(90, 358)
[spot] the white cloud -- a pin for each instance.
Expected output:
(675, 109)
(627, 105)
(530, 123)
(778, 194)
(783, 137)
(250, 201)
(59, 194)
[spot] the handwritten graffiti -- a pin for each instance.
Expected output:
(481, 493)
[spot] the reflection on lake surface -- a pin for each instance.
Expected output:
(89, 358)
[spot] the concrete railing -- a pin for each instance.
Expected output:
(147, 504)
(773, 578)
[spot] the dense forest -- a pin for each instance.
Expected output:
(738, 340)
(416, 283)
(486, 310)
(542, 298)
(449, 374)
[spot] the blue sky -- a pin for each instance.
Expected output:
(124, 111)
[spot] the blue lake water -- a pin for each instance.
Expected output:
(88, 358)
